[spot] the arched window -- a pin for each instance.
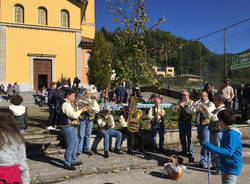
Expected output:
(19, 14)
(64, 19)
(42, 16)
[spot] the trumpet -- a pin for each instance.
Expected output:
(195, 106)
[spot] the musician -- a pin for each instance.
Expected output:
(70, 123)
(185, 124)
(86, 122)
(203, 125)
(157, 117)
(215, 131)
(130, 135)
(106, 129)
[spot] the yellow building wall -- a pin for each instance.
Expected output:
(53, 7)
(88, 26)
(21, 41)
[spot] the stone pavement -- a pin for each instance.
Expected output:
(49, 169)
(28, 99)
(153, 176)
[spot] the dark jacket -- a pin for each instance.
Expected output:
(21, 115)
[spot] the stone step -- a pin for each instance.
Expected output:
(40, 138)
(47, 152)
(42, 146)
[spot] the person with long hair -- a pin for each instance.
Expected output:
(13, 164)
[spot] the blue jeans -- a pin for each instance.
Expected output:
(84, 135)
(203, 136)
(113, 133)
(161, 129)
(215, 138)
(228, 179)
(185, 135)
(71, 138)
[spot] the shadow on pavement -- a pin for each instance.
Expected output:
(50, 160)
(156, 174)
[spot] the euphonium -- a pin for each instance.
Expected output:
(134, 116)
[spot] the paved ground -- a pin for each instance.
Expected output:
(153, 176)
(49, 169)
(28, 99)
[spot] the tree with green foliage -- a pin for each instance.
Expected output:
(100, 69)
(131, 61)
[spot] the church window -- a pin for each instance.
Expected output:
(19, 14)
(64, 19)
(42, 16)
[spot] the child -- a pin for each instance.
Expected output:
(230, 151)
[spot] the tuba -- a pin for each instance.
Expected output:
(134, 116)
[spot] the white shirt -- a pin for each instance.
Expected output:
(69, 111)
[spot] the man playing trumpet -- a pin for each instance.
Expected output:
(185, 124)
(203, 122)
(86, 121)
(157, 116)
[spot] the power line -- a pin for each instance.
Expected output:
(227, 27)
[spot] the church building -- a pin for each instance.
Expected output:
(42, 40)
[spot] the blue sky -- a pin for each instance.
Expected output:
(191, 19)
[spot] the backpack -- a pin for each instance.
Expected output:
(59, 98)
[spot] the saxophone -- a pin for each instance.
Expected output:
(134, 116)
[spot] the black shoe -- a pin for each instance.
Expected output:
(153, 150)
(191, 159)
(217, 172)
(117, 151)
(78, 154)
(183, 153)
(89, 153)
(161, 151)
(106, 154)
(213, 168)
(202, 166)
(69, 167)
(77, 164)
(130, 152)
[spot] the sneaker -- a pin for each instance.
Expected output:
(77, 164)
(69, 167)
(117, 151)
(106, 154)
(88, 153)
(51, 128)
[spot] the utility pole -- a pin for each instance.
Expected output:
(200, 59)
(225, 56)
